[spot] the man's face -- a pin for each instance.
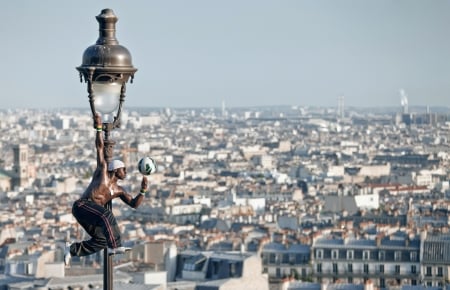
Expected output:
(121, 173)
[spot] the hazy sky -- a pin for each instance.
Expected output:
(199, 53)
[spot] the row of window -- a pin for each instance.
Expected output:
(292, 258)
(380, 255)
(413, 269)
(429, 271)
(285, 258)
(439, 272)
(349, 269)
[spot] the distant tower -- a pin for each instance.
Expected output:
(224, 110)
(404, 101)
(20, 176)
(407, 118)
(340, 108)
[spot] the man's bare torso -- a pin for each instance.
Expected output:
(99, 190)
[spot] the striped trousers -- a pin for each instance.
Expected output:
(99, 223)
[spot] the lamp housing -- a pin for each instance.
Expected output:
(106, 68)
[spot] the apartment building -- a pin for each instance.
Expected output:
(435, 257)
(386, 261)
(391, 260)
(286, 260)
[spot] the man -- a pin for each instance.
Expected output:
(90, 211)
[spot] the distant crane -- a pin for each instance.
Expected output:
(126, 151)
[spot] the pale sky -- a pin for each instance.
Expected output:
(200, 53)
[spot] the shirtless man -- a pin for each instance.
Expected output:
(90, 211)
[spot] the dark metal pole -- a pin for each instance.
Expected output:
(107, 265)
(107, 260)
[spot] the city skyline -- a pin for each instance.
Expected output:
(252, 53)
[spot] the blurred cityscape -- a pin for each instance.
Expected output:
(244, 198)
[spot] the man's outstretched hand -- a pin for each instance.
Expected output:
(144, 183)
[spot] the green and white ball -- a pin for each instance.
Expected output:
(147, 166)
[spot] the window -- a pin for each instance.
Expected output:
(382, 283)
(413, 256)
(350, 268)
(335, 268)
(366, 268)
(319, 254)
(350, 255)
(397, 255)
(216, 265)
(272, 258)
(428, 272)
(381, 268)
(294, 273)
(232, 270)
(292, 259)
(278, 258)
(382, 255)
(397, 269)
(299, 259)
(265, 258)
(440, 272)
(195, 263)
(285, 258)
(319, 268)
(366, 255)
(334, 254)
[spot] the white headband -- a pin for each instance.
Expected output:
(113, 165)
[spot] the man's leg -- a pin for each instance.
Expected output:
(100, 224)
(96, 243)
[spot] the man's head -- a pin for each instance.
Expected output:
(115, 164)
(117, 168)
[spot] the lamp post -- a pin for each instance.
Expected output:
(106, 68)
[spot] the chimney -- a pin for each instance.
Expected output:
(423, 235)
(368, 285)
(349, 225)
(345, 238)
(285, 284)
(378, 239)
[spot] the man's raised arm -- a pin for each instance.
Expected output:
(99, 144)
(137, 200)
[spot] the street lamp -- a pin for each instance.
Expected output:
(106, 68)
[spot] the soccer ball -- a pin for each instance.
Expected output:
(147, 166)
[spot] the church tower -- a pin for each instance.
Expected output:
(20, 176)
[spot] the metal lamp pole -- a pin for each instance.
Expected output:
(106, 68)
